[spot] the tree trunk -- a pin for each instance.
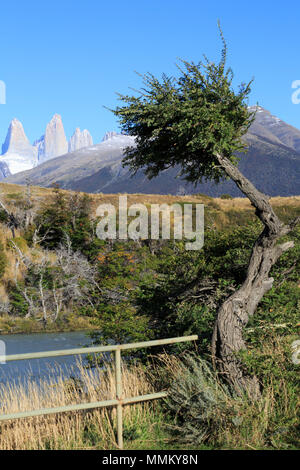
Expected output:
(235, 312)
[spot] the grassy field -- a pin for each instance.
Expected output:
(234, 423)
(12, 192)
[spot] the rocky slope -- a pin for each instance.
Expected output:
(78, 165)
(272, 128)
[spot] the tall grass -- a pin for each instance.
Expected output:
(80, 429)
(200, 411)
(205, 411)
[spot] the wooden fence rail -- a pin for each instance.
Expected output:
(119, 401)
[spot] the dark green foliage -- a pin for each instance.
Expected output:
(4, 218)
(3, 260)
(18, 304)
(65, 215)
(186, 121)
(120, 267)
(187, 287)
(121, 324)
(158, 290)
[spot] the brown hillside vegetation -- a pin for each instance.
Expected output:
(224, 209)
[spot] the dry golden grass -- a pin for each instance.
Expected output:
(39, 194)
(72, 430)
(254, 425)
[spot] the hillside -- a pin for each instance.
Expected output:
(272, 163)
(56, 275)
(222, 208)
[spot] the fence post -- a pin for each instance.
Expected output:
(119, 397)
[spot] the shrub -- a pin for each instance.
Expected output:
(3, 260)
(3, 216)
(199, 401)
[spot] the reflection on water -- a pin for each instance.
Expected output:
(41, 369)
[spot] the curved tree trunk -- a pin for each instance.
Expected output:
(235, 312)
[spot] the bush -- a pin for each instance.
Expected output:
(3, 216)
(204, 410)
(3, 260)
(199, 401)
(65, 215)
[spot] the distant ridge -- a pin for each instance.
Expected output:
(19, 155)
(272, 163)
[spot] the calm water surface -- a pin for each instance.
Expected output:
(40, 369)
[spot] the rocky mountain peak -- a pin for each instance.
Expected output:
(17, 152)
(109, 135)
(80, 140)
(54, 142)
(274, 129)
(4, 170)
(16, 138)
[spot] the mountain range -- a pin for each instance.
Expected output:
(19, 155)
(272, 162)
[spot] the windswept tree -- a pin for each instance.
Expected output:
(197, 122)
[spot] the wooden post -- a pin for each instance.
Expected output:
(119, 397)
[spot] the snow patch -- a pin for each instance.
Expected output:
(17, 163)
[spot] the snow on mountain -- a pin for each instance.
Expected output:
(17, 152)
(272, 165)
(108, 135)
(4, 170)
(272, 162)
(274, 129)
(67, 169)
(113, 139)
(17, 163)
(19, 155)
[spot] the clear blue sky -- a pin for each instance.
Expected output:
(70, 57)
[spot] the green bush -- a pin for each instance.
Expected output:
(200, 403)
(3, 216)
(3, 260)
(65, 215)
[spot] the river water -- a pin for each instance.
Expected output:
(41, 369)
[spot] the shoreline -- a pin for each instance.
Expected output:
(21, 326)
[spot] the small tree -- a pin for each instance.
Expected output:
(197, 122)
(64, 214)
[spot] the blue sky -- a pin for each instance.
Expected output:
(71, 57)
